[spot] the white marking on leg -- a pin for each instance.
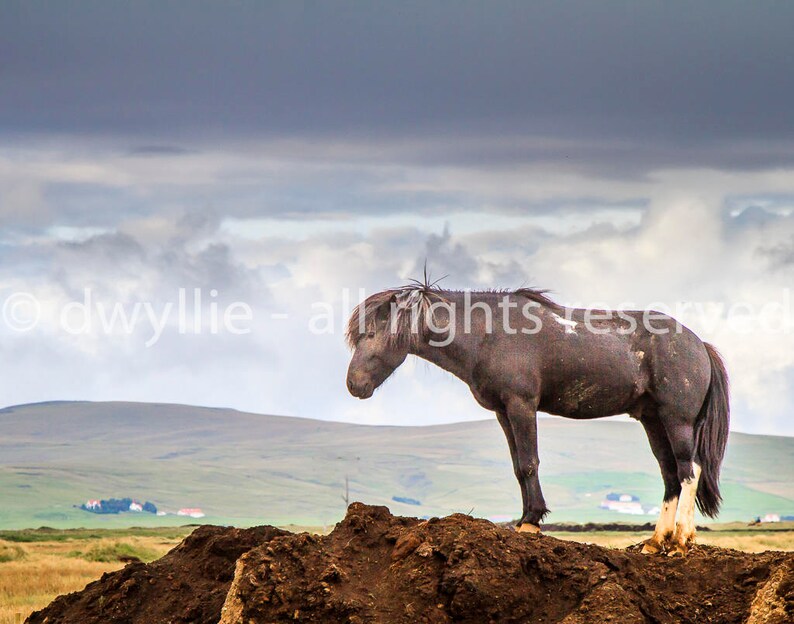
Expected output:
(685, 525)
(666, 523)
(665, 526)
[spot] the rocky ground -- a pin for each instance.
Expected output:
(375, 567)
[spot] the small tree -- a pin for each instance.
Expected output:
(346, 495)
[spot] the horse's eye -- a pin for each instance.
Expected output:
(371, 335)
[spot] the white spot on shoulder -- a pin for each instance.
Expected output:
(570, 326)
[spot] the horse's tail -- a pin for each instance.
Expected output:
(711, 435)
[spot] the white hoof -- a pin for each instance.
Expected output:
(651, 547)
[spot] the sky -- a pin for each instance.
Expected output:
(284, 158)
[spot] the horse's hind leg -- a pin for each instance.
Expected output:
(681, 434)
(660, 445)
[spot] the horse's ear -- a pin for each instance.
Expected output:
(383, 313)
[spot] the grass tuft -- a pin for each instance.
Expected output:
(117, 551)
(11, 552)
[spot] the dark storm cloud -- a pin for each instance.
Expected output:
(178, 261)
(158, 150)
(781, 256)
(106, 249)
(456, 266)
(681, 74)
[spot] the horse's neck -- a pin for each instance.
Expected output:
(458, 357)
(452, 358)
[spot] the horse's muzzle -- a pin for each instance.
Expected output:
(360, 391)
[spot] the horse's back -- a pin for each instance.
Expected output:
(611, 364)
(591, 364)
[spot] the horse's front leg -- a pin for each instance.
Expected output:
(522, 417)
(501, 416)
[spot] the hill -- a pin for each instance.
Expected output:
(246, 469)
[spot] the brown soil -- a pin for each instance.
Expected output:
(375, 567)
(189, 584)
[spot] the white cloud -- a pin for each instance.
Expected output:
(273, 229)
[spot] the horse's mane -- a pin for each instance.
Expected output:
(538, 296)
(413, 304)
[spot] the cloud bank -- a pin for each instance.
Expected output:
(282, 157)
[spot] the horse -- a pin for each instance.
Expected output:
(520, 352)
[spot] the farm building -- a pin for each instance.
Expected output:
(622, 503)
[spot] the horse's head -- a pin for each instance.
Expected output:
(377, 347)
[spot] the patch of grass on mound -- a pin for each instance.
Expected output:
(117, 551)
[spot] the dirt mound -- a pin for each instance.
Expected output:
(375, 567)
(189, 584)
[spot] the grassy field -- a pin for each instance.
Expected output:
(733, 535)
(38, 565)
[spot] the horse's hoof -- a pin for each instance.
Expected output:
(651, 548)
(677, 550)
(528, 528)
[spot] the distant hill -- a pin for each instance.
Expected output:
(248, 469)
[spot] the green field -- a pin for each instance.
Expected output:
(246, 469)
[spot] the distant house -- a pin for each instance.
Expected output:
(193, 512)
(622, 503)
(117, 505)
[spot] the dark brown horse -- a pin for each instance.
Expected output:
(520, 353)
